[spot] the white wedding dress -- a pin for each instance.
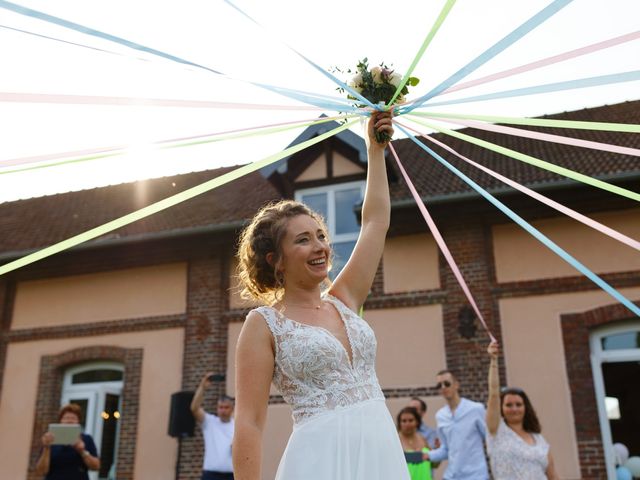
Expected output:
(342, 427)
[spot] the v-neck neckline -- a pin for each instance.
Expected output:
(332, 300)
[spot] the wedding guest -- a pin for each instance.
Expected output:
(413, 444)
(462, 430)
(68, 462)
(429, 434)
(515, 445)
(217, 433)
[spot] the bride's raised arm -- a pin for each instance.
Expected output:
(354, 282)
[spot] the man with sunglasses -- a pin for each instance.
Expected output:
(462, 430)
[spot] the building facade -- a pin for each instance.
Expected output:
(121, 323)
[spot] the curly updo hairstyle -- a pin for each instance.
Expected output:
(259, 279)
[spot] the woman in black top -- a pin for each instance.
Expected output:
(68, 462)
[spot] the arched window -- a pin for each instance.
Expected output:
(97, 388)
(615, 361)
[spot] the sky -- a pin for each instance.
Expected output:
(211, 33)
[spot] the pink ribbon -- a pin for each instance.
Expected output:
(577, 142)
(547, 61)
(95, 151)
(139, 102)
(441, 243)
(541, 198)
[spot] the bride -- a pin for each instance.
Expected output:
(317, 351)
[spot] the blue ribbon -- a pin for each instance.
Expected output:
(530, 228)
(327, 74)
(492, 51)
(549, 87)
(46, 37)
(96, 33)
(305, 97)
(322, 101)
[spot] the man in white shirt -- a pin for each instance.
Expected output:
(462, 431)
(217, 432)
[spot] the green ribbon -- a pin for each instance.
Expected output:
(166, 203)
(541, 122)
(172, 144)
(434, 29)
(534, 161)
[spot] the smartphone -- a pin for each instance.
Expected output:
(413, 457)
(217, 377)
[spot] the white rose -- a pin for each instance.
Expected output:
(394, 79)
(356, 83)
(376, 73)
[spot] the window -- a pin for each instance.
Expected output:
(336, 203)
(615, 362)
(97, 389)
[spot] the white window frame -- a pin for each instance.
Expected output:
(598, 357)
(331, 190)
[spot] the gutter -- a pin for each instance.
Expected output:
(111, 240)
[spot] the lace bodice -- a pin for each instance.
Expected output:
(511, 457)
(312, 368)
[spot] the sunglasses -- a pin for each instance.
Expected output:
(445, 384)
(511, 390)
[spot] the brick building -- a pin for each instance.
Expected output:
(120, 323)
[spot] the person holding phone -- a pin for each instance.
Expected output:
(413, 443)
(68, 462)
(217, 431)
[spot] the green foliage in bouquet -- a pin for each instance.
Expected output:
(378, 85)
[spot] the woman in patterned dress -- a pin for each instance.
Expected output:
(516, 448)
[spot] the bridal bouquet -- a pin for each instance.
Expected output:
(378, 85)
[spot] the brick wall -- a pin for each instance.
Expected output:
(7, 290)
(205, 343)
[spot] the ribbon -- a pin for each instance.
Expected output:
(536, 162)
(166, 203)
(492, 51)
(549, 87)
(94, 154)
(46, 37)
(530, 228)
(432, 33)
(547, 61)
(121, 41)
(97, 33)
(541, 198)
(331, 77)
(576, 142)
(139, 101)
(441, 243)
(541, 122)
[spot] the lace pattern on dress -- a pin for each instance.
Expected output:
(312, 368)
(511, 457)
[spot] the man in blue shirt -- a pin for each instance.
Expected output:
(462, 430)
